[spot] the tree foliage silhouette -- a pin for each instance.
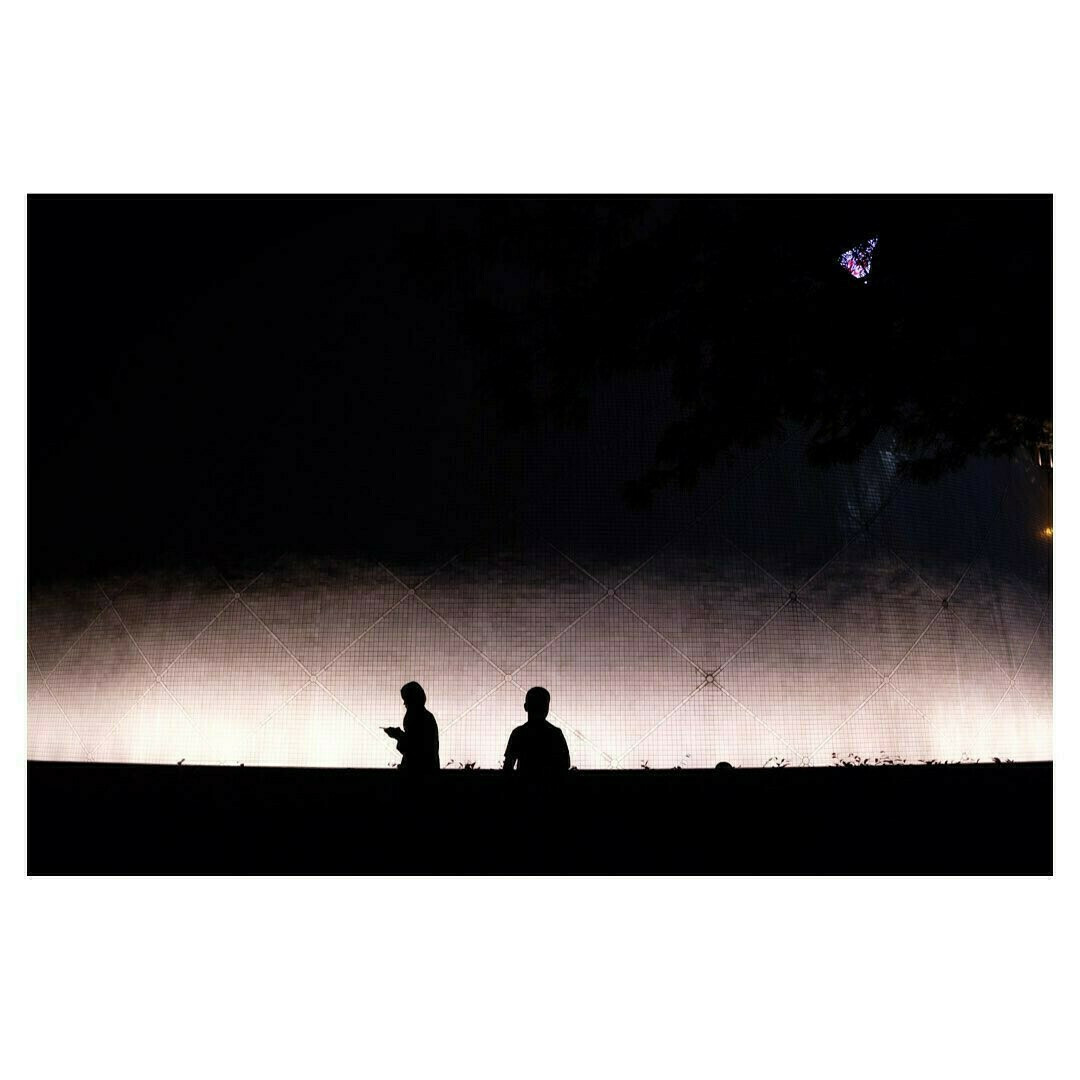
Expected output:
(946, 345)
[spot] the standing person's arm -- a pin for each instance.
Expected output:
(565, 753)
(410, 739)
(400, 737)
(511, 751)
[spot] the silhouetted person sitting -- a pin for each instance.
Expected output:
(537, 747)
(418, 736)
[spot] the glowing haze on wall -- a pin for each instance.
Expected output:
(777, 612)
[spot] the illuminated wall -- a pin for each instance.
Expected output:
(777, 612)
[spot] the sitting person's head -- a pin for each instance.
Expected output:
(537, 703)
(412, 693)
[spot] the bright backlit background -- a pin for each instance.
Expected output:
(779, 613)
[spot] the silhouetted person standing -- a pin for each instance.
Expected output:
(537, 746)
(418, 736)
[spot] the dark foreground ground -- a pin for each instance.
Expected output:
(126, 819)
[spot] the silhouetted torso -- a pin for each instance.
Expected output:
(537, 746)
(420, 747)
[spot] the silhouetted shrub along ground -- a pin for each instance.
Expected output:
(972, 818)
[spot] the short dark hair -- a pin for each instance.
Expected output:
(537, 700)
(412, 693)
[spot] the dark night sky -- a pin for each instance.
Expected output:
(205, 375)
(215, 376)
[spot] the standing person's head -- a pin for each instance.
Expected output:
(537, 703)
(412, 693)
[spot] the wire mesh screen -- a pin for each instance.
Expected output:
(776, 614)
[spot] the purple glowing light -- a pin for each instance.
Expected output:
(857, 261)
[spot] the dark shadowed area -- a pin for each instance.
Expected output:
(728, 498)
(244, 376)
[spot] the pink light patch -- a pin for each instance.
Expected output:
(857, 261)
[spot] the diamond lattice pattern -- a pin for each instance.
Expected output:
(778, 614)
